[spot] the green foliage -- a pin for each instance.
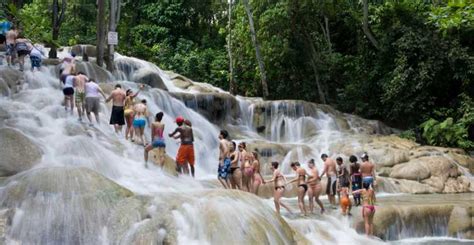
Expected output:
(408, 134)
(447, 133)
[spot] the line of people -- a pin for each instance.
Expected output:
(17, 46)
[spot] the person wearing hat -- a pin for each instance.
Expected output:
(185, 154)
(367, 170)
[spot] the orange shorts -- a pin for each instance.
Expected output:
(185, 154)
(345, 203)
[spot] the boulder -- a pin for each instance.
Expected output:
(149, 77)
(413, 170)
(81, 50)
(461, 223)
(9, 81)
(92, 70)
(18, 152)
(423, 167)
(457, 185)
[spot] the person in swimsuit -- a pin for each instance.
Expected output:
(302, 185)
(315, 187)
(10, 37)
(247, 166)
(93, 90)
(36, 57)
(223, 169)
(129, 103)
(68, 91)
(368, 207)
(79, 84)
(140, 113)
(367, 169)
(117, 118)
(279, 184)
(344, 201)
(23, 47)
(330, 171)
(343, 179)
(157, 128)
(185, 154)
(356, 179)
(257, 176)
(191, 166)
(235, 172)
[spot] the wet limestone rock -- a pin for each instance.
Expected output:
(81, 50)
(93, 71)
(461, 223)
(424, 167)
(169, 165)
(18, 153)
(149, 77)
(9, 79)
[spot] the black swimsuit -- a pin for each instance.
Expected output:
(232, 170)
(305, 186)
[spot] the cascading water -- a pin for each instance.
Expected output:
(71, 197)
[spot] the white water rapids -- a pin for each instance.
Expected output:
(162, 206)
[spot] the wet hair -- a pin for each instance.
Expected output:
(255, 154)
(118, 86)
(352, 159)
(311, 161)
(187, 122)
(339, 159)
(81, 73)
(366, 185)
(159, 116)
(275, 165)
(179, 123)
(129, 91)
(143, 101)
(91, 80)
(324, 155)
(365, 156)
(224, 134)
(73, 54)
(243, 145)
(295, 164)
(234, 145)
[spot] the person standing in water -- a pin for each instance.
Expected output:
(140, 114)
(92, 91)
(235, 172)
(10, 38)
(367, 170)
(22, 47)
(128, 112)
(117, 118)
(223, 168)
(356, 179)
(186, 149)
(68, 90)
(368, 207)
(315, 187)
(279, 184)
(247, 166)
(342, 176)
(191, 165)
(344, 201)
(80, 82)
(257, 176)
(302, 185)
(157, 129)
(330, 171)
(36, 57)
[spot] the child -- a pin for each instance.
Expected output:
(345, 202)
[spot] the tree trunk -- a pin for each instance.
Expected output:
(253, 35)
(229, 51)
(313, 61)
(113, 21)
(58, 18)
(100, 32)
(365, 24)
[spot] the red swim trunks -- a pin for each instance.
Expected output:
(185, 154)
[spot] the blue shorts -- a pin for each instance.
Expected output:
(158, 143)
(35, 61)
(224, 170)
(10, 49)
(139, 123)
(367, 180)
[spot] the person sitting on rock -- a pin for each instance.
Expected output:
(157, 129)
(367, 170)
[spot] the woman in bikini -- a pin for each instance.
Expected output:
(315, 187)
(246, 165)
(279, 181)
(257, 176)
(368, 207)
(302, 185)
(128, 105)
(157, 128)
(236, 174)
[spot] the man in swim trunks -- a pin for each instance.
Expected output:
(117, 118)
(92, 91)
(330, 171)
(79, 85)
(367, 169)
(223, 169)
(186, 149)
(140, 119)
(302, 185)
(10, 36)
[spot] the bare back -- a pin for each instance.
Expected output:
(140, 110)
(118, 97)
(80, 82)
(223, 149)
(11, 36)
(367, 168)
(186, 134)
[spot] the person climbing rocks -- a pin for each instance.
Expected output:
(330, 171)
(223, 168)
(68, 62)
(343, 179)
(128, 105)
(68, 91)
(279, 181)
(117, 118)
(10, 38)
(140, 120)
(185, 154)
(315, 188)
(302, 185)
(356, 179)
(157, 140)
(368, 207)
(22, 47)
(79, 90)
(235, 172)
(367, 170)
(36, 57)
(92, 91)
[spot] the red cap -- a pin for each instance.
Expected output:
(179, 119)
